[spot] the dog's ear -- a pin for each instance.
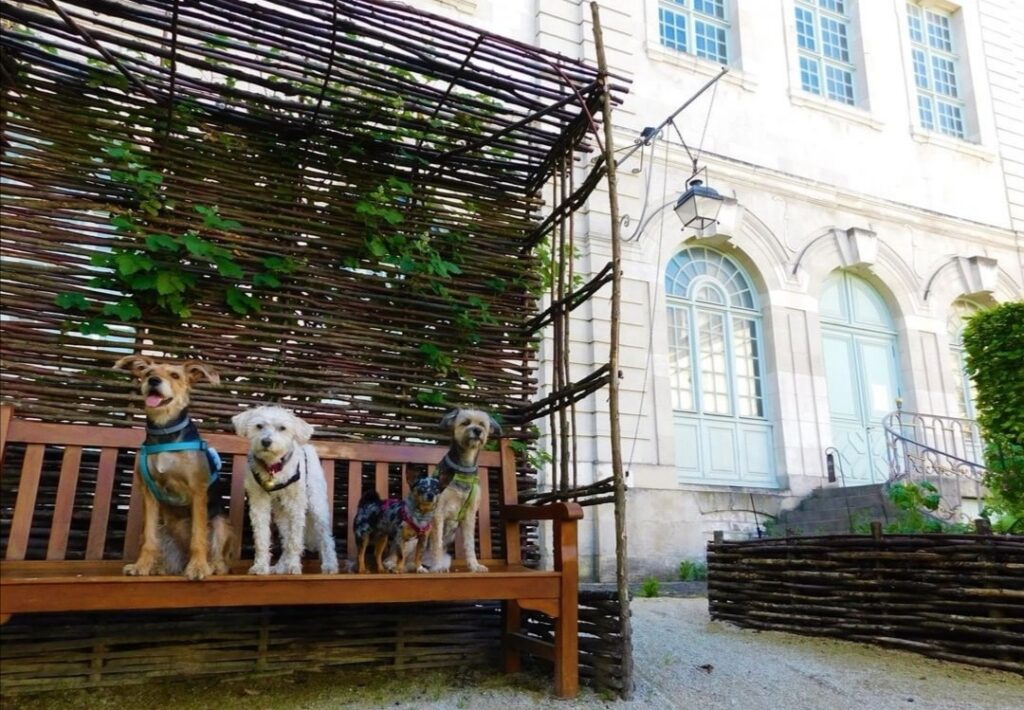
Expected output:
(241, 422)
(136, 363)
(495, 428)
(199, 371)
(448, 420)
(303, 431)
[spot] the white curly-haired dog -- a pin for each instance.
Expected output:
(286, 484)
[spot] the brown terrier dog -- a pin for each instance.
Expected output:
(175, 469)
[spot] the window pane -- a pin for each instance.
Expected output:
(680, 368)
(809, 79)
(714, 380)
(747, 365)
(924, 107)
(914, 20)
(804, 29)
(840, 84)
(833, 40)
(950, 119)
(713, 8)
(944, 74)
(672, 27)
(938, 32)
(833, 6)
(709, 41)
(920, 69)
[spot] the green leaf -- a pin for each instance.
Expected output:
(168, 282)
(122, 223)
(150, 177)
(265, 279)
(281, 264)
(430, 397)
(239, 301)
(72, 301)
(162, 241)
(94, 326)
(228, 268)
(196, 245)
(125, 309)
(129, 263)
(377, 247)
(116, 151)
(391, 215)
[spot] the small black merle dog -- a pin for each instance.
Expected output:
(390, 524)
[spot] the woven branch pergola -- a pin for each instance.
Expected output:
(349, 207)
(362, 141)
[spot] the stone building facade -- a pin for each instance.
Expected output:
(871, 156)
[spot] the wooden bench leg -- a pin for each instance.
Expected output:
(512, 617)
(4, 618)
(567, 640)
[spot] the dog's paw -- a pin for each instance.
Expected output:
(137, 570)
(477, 567)
(422, 570)
(329, 569)
(260, 569)
(197, 570)
(286, 568)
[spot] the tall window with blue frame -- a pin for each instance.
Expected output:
(699, 27)
(940, 104)
(824, 49)
(716, 364)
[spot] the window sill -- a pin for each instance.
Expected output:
(959, 145)
(697, 65)
(688, 484)
(850, 113)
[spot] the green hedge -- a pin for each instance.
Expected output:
(994, 340)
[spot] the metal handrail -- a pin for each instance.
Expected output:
(942, 450)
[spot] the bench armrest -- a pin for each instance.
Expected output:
(550, 511)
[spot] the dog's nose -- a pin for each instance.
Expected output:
(154, 381)
(476, 431)
(266, 442)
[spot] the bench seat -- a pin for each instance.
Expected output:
(77, 515)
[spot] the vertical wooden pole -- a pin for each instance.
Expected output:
(621, 558)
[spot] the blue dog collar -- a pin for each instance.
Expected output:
(147, 450)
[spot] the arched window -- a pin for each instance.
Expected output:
(959, 312)
(716, 371)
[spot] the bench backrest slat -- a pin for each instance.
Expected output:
(133, 526)
(101, 505)
(64, 506)
(239, 470)
(24, 505)
(95, 498)
(510, 496)
(484, 543)
(380, 479)
(355, 485)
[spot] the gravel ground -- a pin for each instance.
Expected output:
(683, 660)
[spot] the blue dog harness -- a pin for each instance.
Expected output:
(192, 444)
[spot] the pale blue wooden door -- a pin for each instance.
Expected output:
(859, 347)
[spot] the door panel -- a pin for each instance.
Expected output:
(860, 371)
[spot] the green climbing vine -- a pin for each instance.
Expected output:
(160, 272)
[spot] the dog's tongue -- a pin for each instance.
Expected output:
(153, 400)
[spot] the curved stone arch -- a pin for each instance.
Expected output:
(744, 237)
(862, 253)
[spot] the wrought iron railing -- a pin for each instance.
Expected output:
(945, 451)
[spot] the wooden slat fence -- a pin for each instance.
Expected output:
(955, 597)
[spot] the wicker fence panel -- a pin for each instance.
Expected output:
(955, 597)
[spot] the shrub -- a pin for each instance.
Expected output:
(994, 341)
(650, 587)
(693, 571)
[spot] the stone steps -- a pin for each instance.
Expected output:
(836, 510)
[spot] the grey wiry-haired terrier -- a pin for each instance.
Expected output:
(458, 504)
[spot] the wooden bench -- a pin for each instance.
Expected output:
(77, 515)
